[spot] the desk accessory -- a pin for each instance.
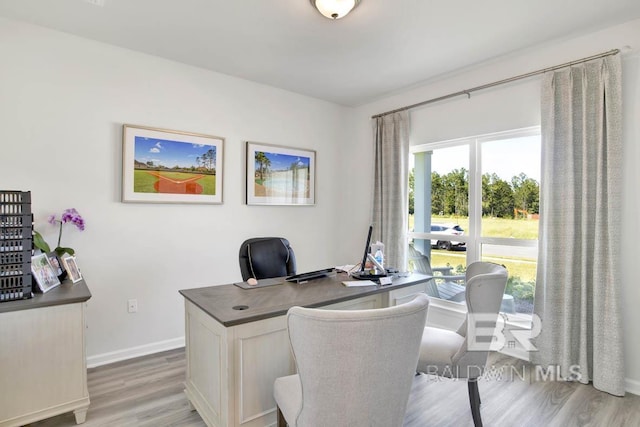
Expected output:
(367, 274)
(71, 266)
(262, 283)
(16, 229)
(357, 283)
(305, 277)
(44, 273)
(385, 281)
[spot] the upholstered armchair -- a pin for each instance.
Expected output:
(463, 353)
(355, 367)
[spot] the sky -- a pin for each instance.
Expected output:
(284, 161)
(169, 153)
(507, 158)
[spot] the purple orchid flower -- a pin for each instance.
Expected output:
(69, 215)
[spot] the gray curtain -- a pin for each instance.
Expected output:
(578, 280)
(391, 187)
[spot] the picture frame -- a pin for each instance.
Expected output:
(169, 166)
(56, 263)
(279, 175)
(71, 266)
(43, 273)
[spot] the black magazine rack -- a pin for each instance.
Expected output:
(16, 235)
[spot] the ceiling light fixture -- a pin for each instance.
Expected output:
(334, 9)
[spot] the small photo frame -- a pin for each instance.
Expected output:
(71, 266)
(44, 273)
(56, 264)
(278, 175)
(169, 166)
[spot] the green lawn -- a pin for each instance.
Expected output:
(208, 184)
(512, 228)
(492, 227)
(522, 271)
(143, 182)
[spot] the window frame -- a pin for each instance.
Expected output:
(475, 240)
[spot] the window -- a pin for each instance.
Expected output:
(478, 199)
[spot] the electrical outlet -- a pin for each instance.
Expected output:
(132, 305)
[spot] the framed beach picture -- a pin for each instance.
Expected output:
(44, 273)
(279, 175)
(168, 166)
(71, 266)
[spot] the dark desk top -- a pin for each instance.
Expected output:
(273, 301)
(65, 293)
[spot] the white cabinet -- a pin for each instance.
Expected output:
(43, 370)
(42, 364)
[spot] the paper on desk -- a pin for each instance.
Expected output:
(346, 268)
(351, 283)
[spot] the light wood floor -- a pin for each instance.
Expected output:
(148, 391)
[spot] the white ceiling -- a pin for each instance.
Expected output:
(381, 47)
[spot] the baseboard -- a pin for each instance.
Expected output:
(632, 386)
(130, 353)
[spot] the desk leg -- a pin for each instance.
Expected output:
(81, 414)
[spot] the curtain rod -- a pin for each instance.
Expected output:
(499, 82)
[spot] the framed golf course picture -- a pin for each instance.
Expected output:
(168, 166)
(279, 175)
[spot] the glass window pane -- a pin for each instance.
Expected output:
(439, 194)
(521, 264)
(449, 201)
(511, 187)
(447, 267)
(450, 183)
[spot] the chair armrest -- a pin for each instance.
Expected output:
(442, 270)
(451, 278)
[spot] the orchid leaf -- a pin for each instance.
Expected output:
(38, 242)
(61, 251)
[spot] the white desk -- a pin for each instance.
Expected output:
(234, 356)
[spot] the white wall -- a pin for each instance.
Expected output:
(517, 105)
(63, 101)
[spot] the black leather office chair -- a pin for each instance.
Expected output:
(266, 257)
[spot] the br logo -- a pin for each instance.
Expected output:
(486, 333)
